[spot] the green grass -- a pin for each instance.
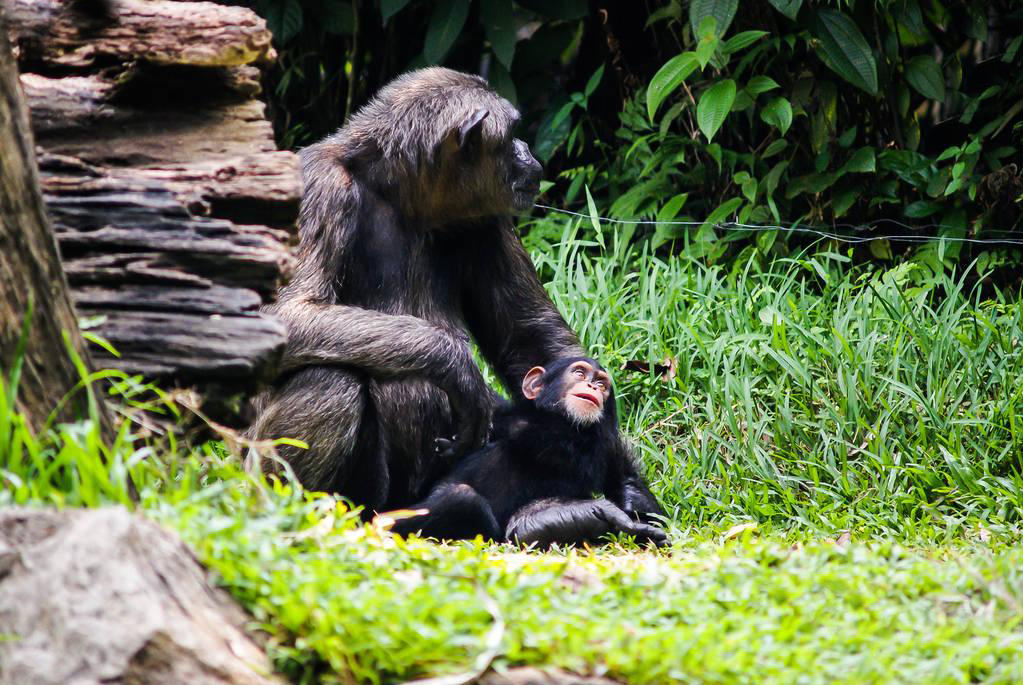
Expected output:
(808, 396)
(810, 393)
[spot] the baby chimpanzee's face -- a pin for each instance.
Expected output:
(585, 389)
(576, 387)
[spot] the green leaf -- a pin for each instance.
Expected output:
(552, 131)
(594, 81)
(774, 177)
(709, 42)
(749, 189)
(714, 150)
(790, 8)
(102, 342)
(881, 249)
(594, 217)
(921, 209)
(778, 113)
(843, 201)
(446, 23)
(761, 84)
(861, 162)
(498, 19)
(977, 26)
(810, 183)
(667, 79)
(908, 14)
(670, 12)
(845, 49)
(774, 148)
(284, 19)
(847, 137)
(715, 104)
(502, 82)
(388, 8)
(924, 75)
(1010, 52)
(722, 212)
(742, 40)
(670, 210)
(723, 11)
(743, 101)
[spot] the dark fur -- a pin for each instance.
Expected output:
(406, 245)
(536, 480)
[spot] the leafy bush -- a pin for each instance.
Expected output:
(823, 114)
(334, 54)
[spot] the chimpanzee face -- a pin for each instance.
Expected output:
(484, 170)
(578, 387)
(585, 391)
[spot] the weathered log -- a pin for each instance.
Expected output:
(90, 102)
(84, 116)
(171, 204)
(178, 294)
(255, 189)
(169, 136)
(30, 270)
(62, 34)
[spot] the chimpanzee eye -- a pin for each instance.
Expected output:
(602, 385)
(578, 372)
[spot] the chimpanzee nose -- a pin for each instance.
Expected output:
(529, 170)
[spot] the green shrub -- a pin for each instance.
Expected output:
(824, 113)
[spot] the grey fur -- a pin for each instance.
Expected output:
(406, 245)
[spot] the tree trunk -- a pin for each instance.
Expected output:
(31, 276)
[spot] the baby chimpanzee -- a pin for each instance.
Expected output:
(535, 481)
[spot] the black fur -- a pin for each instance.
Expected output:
(406, 247)
(535, 482)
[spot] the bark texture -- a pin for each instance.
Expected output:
(104, 597)
(171, 205)
(30, 270)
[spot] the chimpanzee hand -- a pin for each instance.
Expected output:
(472, 405)
(549, 522)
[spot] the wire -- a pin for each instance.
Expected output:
(795, 228)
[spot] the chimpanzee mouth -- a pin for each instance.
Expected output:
(592, 399)
(530, 189)
(522, 201)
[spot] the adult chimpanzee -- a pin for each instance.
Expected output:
(406, 243)
(552, 450)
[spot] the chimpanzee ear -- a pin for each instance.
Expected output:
(532, 384)
(470, 133)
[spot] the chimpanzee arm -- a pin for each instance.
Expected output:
(628, 489)
(507, 310)
(385, 345)
(556, 521)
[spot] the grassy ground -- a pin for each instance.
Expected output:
(838, 448)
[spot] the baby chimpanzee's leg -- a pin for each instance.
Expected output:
(456, 512)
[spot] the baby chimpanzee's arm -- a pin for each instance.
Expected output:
(628, 489)
(547, 522)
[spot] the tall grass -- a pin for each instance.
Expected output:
(808, 392)
(804, 393)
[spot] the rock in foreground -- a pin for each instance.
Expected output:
(103, 596)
